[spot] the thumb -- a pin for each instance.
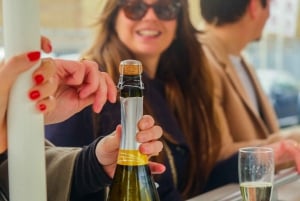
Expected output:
(111, 142)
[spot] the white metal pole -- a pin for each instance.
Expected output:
(26, 153)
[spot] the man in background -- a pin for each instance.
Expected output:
(246, 114)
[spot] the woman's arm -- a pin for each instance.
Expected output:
(95, 165)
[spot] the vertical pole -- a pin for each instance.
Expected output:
(26, 153)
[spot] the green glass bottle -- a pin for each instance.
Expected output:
(132, 180)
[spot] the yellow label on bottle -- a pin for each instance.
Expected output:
(132, 157)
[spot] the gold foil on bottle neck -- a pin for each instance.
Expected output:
(130, 67)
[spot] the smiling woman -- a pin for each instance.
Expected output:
(147, 40)
(174, 73)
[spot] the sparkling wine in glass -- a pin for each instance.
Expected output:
(256, 173)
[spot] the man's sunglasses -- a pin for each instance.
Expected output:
(136, 10)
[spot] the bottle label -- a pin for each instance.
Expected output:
(132, 158)
(131, 113)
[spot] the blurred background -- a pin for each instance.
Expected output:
(276, 56)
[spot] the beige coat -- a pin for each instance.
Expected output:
(59, 165)
(242, 125)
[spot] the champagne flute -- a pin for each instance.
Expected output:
(256, 173)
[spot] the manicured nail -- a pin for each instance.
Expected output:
(34, 56)
(34, 95)
(38, 79)
(42, 107)
(50, 47)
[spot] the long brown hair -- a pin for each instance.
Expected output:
(188, 85)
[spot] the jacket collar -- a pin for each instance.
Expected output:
(217, 49)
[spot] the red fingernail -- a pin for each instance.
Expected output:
(50, 47)
(34, 56)
(34, 95)
(38, 79)
(42, 107)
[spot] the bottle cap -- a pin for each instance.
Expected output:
(130, 67)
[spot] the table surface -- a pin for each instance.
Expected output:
(286, 188)
(288, 185)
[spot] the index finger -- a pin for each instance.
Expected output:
(107, 90)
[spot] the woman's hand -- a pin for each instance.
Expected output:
(67, 86)
(107, 148)
(79, 84)
(9, 71)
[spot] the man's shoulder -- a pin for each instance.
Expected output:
(215, 52)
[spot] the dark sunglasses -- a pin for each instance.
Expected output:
(164, 10)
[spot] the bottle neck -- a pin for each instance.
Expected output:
(131, 100)
(131, 85)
